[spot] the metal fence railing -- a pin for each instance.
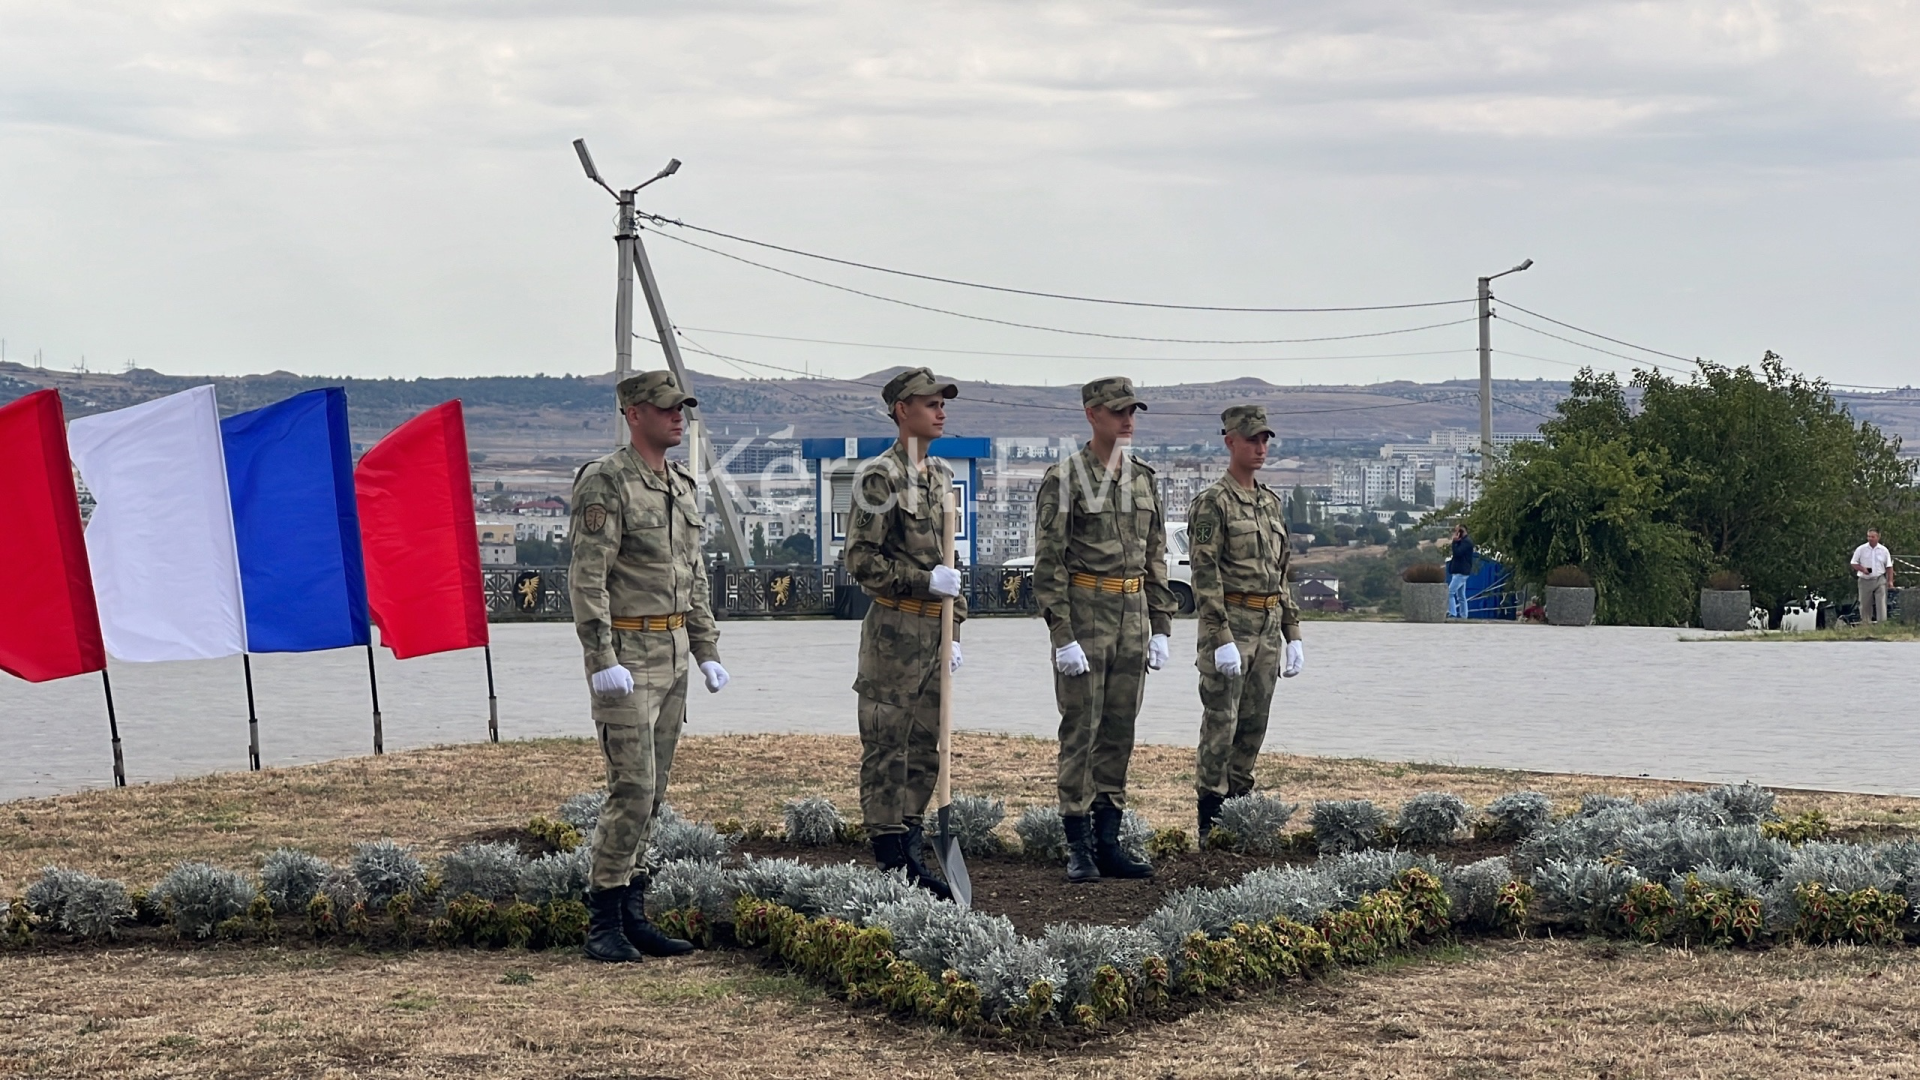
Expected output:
(539, 593)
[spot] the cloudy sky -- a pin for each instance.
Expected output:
(388, 188)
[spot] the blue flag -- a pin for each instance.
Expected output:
(290, 474)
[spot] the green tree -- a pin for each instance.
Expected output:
(797, 548)
(1599, 504)
(759, 543)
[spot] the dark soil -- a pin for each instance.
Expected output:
(1035, 895)
(531, 846)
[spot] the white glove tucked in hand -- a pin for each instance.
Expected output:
(946, 582)
(1226, 660)
(716, 675)
(614, 680)
(1156, 652)
(1071, 659)
(1296, 659)
(953, 662)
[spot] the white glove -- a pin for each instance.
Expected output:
(615, 680)
(946, 582)
(1226, 660)
(716, 675)
(1071, 659)
(1156, 652)
(953, 662)
(1296, 659)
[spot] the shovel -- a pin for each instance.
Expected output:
(946, 845)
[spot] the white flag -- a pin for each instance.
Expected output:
(165, 568)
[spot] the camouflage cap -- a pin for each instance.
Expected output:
(657, 388)
(916, 382)
(1245, 420)
(1115, 392)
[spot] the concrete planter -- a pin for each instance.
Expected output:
(1423, 601)
(1569, 607)
(1725, 609)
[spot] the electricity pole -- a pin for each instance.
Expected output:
(1485, 294)
(632, 255)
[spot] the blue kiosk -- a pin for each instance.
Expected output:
(833, 463)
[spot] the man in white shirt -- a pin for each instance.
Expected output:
(1873, 565)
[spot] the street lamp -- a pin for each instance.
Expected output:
(1486, 358)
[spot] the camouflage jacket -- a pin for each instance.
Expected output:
(636, 551)
(1237, 543)
(1089, 520)
(893, 536)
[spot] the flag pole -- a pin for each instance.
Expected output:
(253, 719)
(113, 727)
(373, 683)
(493, 703)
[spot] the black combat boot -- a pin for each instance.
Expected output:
(890, 851)
(1209, 813)
(605, 941)
(1080, 862)
(1112, 859)
(640, 930)
(915, 845)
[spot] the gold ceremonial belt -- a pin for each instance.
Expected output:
(652, 622)
(1106, 584)
(1265, 602)
(910, 605)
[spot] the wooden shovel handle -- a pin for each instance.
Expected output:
(943, 790)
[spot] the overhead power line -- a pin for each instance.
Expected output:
(1074, 356)
(1051, 329)
(1590, 333)
(659, 220)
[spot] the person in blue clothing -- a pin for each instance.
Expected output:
(1459, 569)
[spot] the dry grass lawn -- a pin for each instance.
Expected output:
(1489, 1009)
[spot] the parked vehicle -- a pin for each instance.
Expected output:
(1179, 569)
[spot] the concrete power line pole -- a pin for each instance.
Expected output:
(634, 256)
(1485, 293)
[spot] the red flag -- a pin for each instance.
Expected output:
(52, 629)
(416, 525)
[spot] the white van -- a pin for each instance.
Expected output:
(1179, 570)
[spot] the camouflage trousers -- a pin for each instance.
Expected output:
(899, 713)
(638, 735)
(1098, 709)
(1233, 711)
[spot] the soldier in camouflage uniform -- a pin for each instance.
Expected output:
(1100, 578)
(639, 590)
(895, 551)
(1249, 621)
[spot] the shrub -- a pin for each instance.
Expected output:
(693, 885)
(1431, 817)
(557, 877)
(488, 871)
(1518, 815)
(1726, 581)
(384, 870)
(1475, 890)
(1341, 825)
(342, 890)
(48, 896)
(1168, 842)
(582, 811)
(974, 818)
(1837, 868)
(1042, 834)
(289, 878)
(199, 897)
(1593, 803)
(1135, 834)
(814, 821)
(1019, 982)
(1568, 577)
(559, 834)
(1424, 574)
(1802, 827)
(677, 838)
(1082, 950)
(1587, 892)
(1255, 823)
(95, 907)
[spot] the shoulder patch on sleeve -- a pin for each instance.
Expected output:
(593, 518)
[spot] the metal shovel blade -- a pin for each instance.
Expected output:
(952, 863)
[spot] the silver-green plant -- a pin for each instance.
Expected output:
(342, 889)
(1519, 814)
(1594, 802)
(1357, 873)
(1256, 822)
(814, 821)
(677, 838)
(974, 818)
(1135, 832)
(1588, 892)
(48, 896)
(1006, 974)
(1043, 837)
(563, 875)
(1431, 817)
(488, 871)
(199, 897)
(1082, 950)
(1475, 892)
(290, 878)
(699, 884)
(1744, 804)
(1842, 868)
(582, 811)
(384, 870)
(95, 908)
(1346, 824)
